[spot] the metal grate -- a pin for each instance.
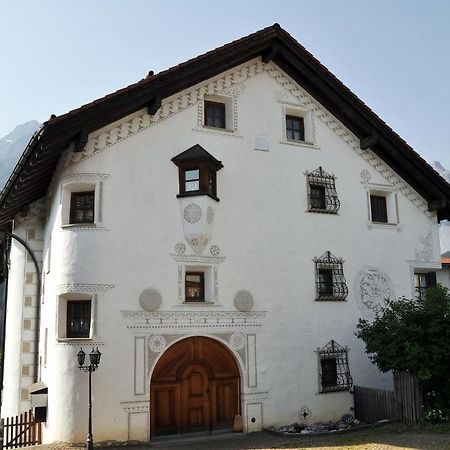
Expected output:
(322, 195)
(330, 280)
(334, 369)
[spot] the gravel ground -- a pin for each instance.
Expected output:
(389, 437)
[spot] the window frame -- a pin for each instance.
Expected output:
(319, 179)
(301, 130)
(71, 305)
(383, 211)
(201, 298)
(215, 106)
(73, 212)
(62, 312)
(80, 183)
(328, 262)
(341, 379)
(420, 291)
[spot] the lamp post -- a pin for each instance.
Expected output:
(94, 358)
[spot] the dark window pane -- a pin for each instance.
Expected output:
(195, 287)
(78, 318)
(317, 194)
(378, 208)
(295, 128)
(82, 207)
(325, 282)
(329, 372)
(214, 114)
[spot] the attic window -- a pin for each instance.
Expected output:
(197, 172)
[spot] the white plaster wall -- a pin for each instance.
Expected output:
(443, 276)
(13, 333)
(269, 242)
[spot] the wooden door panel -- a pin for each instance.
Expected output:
(165, 405)
(226, 402)
(194, 387)
(195, 395)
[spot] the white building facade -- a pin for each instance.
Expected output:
(217, 244)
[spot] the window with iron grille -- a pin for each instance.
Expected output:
(322, 195)
(330, 280)
(214, 114)
(334, 368)
(82, 207)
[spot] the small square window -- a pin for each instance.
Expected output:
(214, 114)
(295, 128)
(195, 287)
(378, 208)
(78, 318)
(82, 207)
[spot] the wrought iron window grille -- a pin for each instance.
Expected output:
(334, 368)
(330, 280)
(322, 195)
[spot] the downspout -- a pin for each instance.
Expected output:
(38, 304)
(5, 303)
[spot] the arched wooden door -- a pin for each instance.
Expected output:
(194, 387)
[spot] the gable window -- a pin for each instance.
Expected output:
(195, 287)
(295, 128)
(214, 114)
(82, 207)
(378, 208)
(334, 368)
(322, 195)
(197, 172)
(422, 281)
(330, 280)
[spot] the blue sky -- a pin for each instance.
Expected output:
(56, 55)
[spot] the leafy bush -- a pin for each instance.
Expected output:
(414, 336)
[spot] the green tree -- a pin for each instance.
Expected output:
(414, 336)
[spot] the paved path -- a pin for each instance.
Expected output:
(376, 439)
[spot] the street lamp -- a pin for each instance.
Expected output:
(94, 358)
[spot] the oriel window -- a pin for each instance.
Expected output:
(82, 207)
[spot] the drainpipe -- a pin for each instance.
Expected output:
(38, 305)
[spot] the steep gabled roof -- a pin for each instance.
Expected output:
(32, 175)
